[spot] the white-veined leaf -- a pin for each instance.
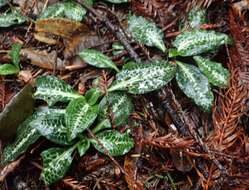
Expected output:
(199, 41)
(195, 85)
(26, 135)
(115, 142)
(146, 32)
(52, 126)
(143, 78)
(197, 17)
(97, 59)
(66, 9)
(56, 162)
(217, 75)
(52, 90)
(79, 116)
(10, 18)
(116, 105)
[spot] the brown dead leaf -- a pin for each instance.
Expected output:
(59, 26)
(9, 168)
(43, 59)
(81, 41)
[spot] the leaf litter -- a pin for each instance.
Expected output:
(124, 94)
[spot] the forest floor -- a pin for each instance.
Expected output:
(173, 143)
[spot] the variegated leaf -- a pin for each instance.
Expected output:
(93, 95)
(56, 162)
(66, 9)
(217, 75)
(97, 59)
(118, 106)
(26, 135)
(146, 32)
(15, 54)
(118, 1)
(83, 146)
(144, 78)
(10, 18)
(195, 85)
(52, 126)
(116, 143)
(52, 90)
(79, 116)
(197, 17)
(199, 41)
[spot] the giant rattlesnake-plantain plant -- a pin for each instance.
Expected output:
(66, 127)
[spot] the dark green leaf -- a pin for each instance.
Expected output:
(104, 124)
(97, 59)
(15, 54)
(199, 41)
(93, 95)
(146, 32)
(10, 18)
(197, 17)
(8, 69)
(83, 146)
(217, 75)
(56, 162)
(79, 116)
(26, 135)
(116, 143)
(66, 9)
(20, 107)
(52, 90)
(195, 85)
(52, 126)
(144, 78)
(118, 106)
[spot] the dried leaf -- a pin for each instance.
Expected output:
(16, 111)
(52, 90)
(217, 75)
(58, 26)
(79, 116)
(195, 85)
(43, 59)
(143, 78)
(116, 143)
(146, 32)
